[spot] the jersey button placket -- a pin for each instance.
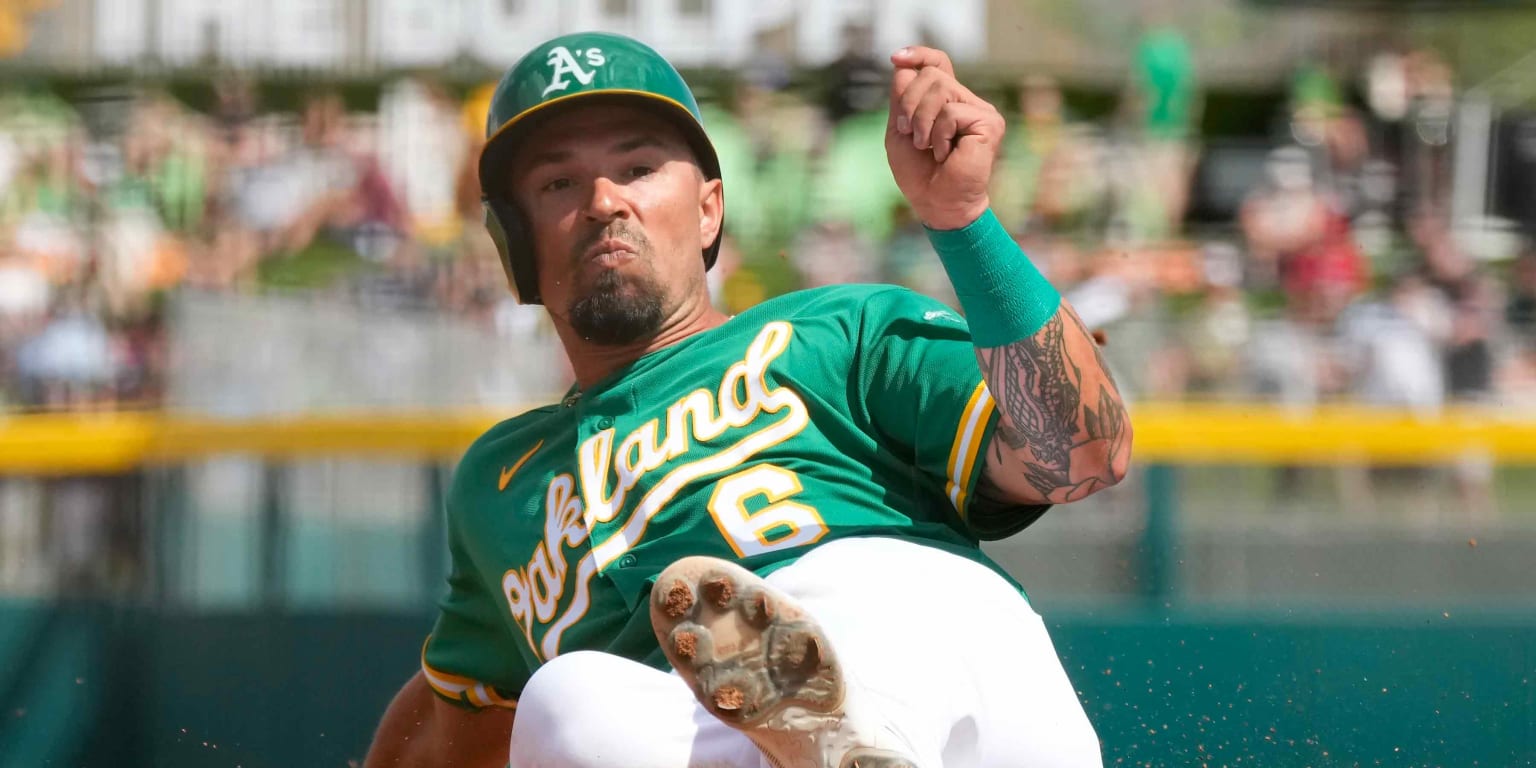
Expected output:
(584, 432)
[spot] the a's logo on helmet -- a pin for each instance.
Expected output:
(564, 61)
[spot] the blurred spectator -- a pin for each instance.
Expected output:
(845, 191)
(1050, 177)
(1163, 81)
(164, 166)
(1390, 349)
(1387, 99)
(41, 208)
(1323, 122)
(770, 65)
(1162, 99)
(25, 296)
(1391, 355)
(1220, 328)
(422, 147)
(1284, 363)
(766, 141)
(1301, 241)
(71, 362)
(1411, 99)
(1469, 352)
(856, 81)
(151, 190)
(329, 185)
(1427, 160)
(1031, 133)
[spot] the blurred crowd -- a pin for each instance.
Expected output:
(1332, 270)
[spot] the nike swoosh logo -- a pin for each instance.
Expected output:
(508, 472)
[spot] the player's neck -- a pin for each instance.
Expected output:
(592, 362)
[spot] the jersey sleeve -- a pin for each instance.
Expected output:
(471, 657)
(924, 393)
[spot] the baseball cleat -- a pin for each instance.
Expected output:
(758, 662)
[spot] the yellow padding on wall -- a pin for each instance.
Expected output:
(57, 444)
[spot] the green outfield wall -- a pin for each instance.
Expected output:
(97, 685)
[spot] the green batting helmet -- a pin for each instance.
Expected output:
(572, 70)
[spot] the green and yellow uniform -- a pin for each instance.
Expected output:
(829, 413)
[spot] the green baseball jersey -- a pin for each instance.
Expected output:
(841, 411)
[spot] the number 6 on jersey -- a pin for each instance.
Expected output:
(792, 524)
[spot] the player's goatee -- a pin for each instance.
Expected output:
(618, 310)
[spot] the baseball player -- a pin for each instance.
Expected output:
(753, 540)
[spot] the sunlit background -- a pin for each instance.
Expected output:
(249, 318)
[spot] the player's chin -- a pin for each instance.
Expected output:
(621, 315)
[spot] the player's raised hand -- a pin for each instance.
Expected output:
(941, 139)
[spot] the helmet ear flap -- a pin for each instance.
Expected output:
(504, 221)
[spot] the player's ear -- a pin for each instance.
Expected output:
(711, 210)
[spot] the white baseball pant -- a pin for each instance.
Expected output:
(956, 659)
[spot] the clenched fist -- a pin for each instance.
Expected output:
(941, 139)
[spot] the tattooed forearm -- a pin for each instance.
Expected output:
(1098, 351)
(1108, 423)
(1038, 389)
(1063, 447)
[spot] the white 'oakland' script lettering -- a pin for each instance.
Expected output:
(606, 476)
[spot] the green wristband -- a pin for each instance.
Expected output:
(1004, 297)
